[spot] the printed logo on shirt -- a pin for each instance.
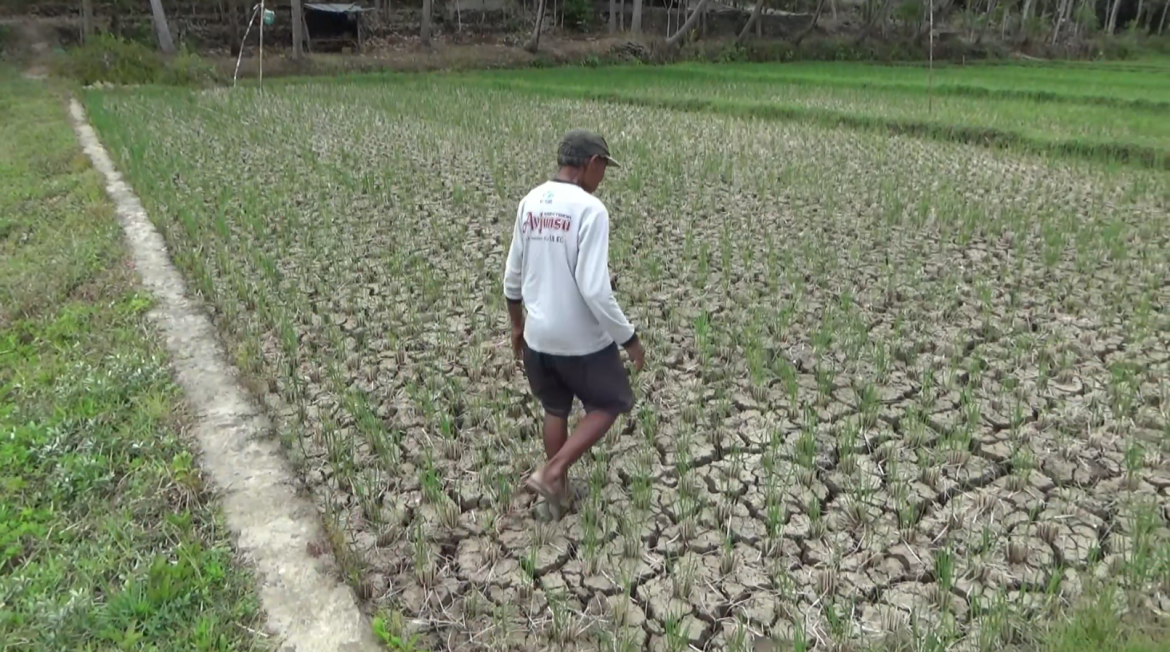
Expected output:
(550, 227)
(547, 198)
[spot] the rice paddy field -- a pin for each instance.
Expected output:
(905, 387)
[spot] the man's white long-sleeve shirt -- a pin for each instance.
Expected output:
(558, 265)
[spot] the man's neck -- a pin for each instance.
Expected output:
(568, 175)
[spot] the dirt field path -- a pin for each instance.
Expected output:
(308, 609)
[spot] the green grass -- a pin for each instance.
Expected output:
(109, 539)
(893, 99)
(1056, 84)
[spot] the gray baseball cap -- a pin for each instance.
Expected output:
(583, 143)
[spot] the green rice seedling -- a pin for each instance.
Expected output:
(503, 625)
(944, 575)
(814, 510)
(908, 515)
(559, 629)
(1134, 460)
(338, 447)
(882, 362)
(740, 637)
(430, 483)
(800, 639)
(825, 386)
(673, 626)
(1123, 388)
(727, 558)
(776, 517)
(591, 542)
(647, 422)
(806, 443)
(369, 487)
(424, 563)
(682, 579)
(448, 432)
(788, 379)
(847, 443)
(598, 472)
(1023, 461)
(688, 510)
(630, 534)
(641, 485)
(838, 621)
(1146, 544)
(529, 560)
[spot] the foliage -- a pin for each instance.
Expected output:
(390, 628)
(579, 14)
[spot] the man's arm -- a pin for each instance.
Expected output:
(514, 283)
(514, 269)
(593, 279)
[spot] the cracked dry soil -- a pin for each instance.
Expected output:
(892, 383)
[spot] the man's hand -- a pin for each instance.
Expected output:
(637, 354)
(518, 343)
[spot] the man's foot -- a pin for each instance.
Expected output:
(537, 484)
(561, 489)
(552, 493)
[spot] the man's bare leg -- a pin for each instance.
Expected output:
(556, 432)
(591, 429)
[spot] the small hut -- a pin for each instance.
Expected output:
(330, 26)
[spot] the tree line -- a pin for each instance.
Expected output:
(1009, 19)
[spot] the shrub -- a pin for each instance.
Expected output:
(188, 69)
(114, 60)
(108, 58)
(579, 14)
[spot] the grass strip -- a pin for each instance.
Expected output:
(922, 88)
(109, 537)
(1109, 152)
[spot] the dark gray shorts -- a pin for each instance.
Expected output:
(599, 380)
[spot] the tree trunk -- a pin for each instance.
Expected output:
(534, 43)
(1025, 15)
(1060, 10)
(298, 29)
(1162, 26)
(425, 34)
(636, 19)
(751, 21)
(833, 8)
(233, 11)
(687, 26)
(1137, 20)
(1112, 24)
(612, 16)
(812, 25)
(161, 28)
(86, 20)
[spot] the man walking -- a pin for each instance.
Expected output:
(558, 270)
